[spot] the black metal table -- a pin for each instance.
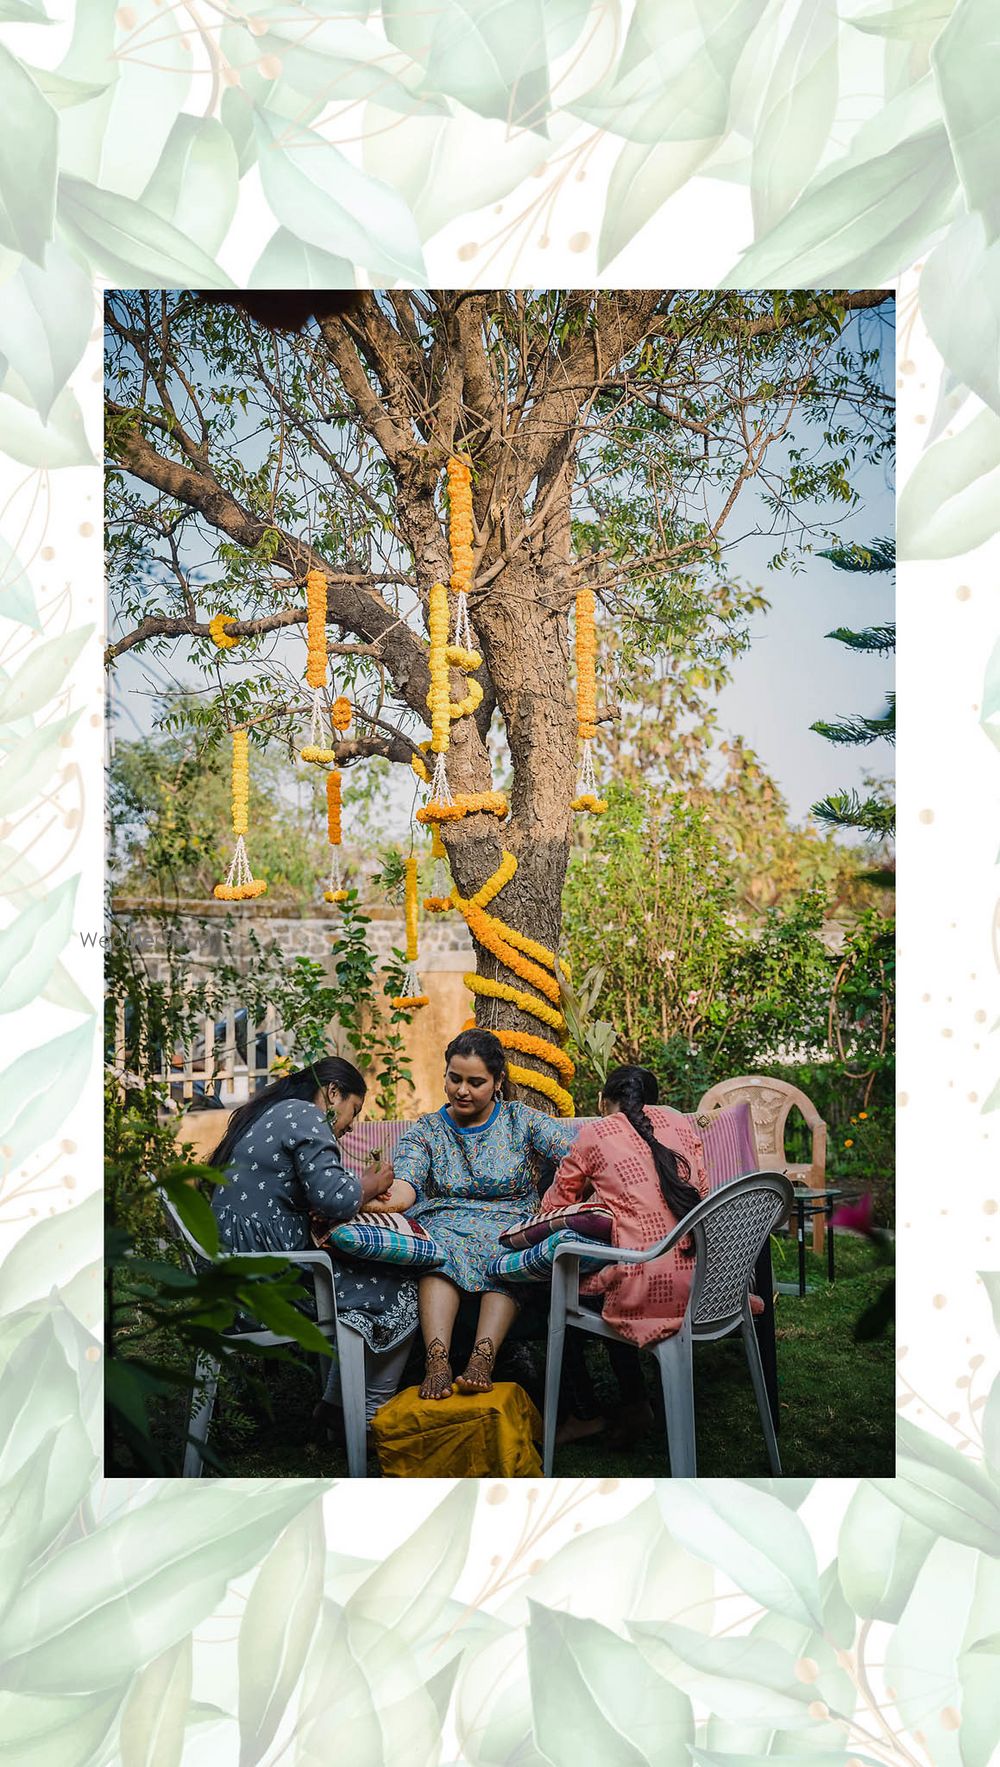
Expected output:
(808, 1204)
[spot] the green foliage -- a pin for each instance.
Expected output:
(872, 816)
(875, 815)
(371, 1024)
(161, 1314)
(858, 730)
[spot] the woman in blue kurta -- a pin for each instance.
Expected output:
(469, 1166)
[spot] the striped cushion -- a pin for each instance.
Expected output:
(728, 1143)
(359, 1143)
(534, 1263)
(382, 1238)
(584, 1221)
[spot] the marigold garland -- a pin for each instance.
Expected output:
(316, 656)
(587, 796)
(540, 1009)
(439, 900)
(335, 891)
(341, 712)
(412, 994)
(545, 1084)
(218, 634)
(240, 884)
(468, 803)
(460, 523)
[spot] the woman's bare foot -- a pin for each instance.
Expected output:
(436, 1383)
(478, 1375)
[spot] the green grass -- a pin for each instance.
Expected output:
(836, 1399)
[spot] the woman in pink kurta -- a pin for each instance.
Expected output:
(644, 1162)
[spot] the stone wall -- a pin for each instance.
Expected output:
(445, 953)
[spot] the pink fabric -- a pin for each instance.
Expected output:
(365, 1138)
(727, 1138)
(609, 1162)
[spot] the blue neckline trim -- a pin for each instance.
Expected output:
(472, 1128)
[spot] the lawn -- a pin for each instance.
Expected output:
(836, 1404)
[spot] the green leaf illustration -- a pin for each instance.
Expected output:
(950, 504)
(196, 182)
(643, 178)
(61, 441)
(22, 1501)
(17, 598)
(750, 1536)
(277, 1627)
(52, 1254)
(60, 91)
(335, 1681)
(130, 243)
(448, 166)
(744, 1680)
(915, 21)
(62, 990)
(406, 1593)
(23, 12)
(321, 197)
(857, 224)
(966, 60)
(923, 1651)
(338, 55)
(31, 944)
(960, 303)
(39, 1089)
(673, 80)
(27, 180)
(991, 1427)
(40, 1401)
(287, 262)
(491, 55)
(156, 1711)
(940, 1488)
(791, 1491)
(990, 1279)
(45, 319)
(796, 114)
(112, 1601)
(56, 1732)
(596, 1699)
(880, 1553)
(41, 677)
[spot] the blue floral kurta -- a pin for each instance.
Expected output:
(287, 1164)
(473, 1183)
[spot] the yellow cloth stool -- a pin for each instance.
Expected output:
(468, 1436)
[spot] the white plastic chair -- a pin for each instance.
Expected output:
(728, 1229)
(349, 1343)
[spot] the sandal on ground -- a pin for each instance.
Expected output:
(478, 1375)
(579, 1429)
(436, 1383)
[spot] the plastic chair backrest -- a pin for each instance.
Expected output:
(770, 1102)
(729, 1229)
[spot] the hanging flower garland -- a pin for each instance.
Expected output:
(439, 900)
(533, 963)
(341, 713)
(412, 994)
(586, 704)
(240, 884)
(335, 891)
(218, 634)
(316, 668)
(460, 653)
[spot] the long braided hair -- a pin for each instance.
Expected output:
(631, 1088)
(330, 1070)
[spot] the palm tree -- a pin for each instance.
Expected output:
(875, 814)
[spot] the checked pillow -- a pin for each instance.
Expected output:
(583, 1220)
(378, 1238)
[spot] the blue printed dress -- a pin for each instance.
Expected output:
(472, 1183)
(287, 1164)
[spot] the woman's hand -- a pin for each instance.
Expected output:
(376, 1180)
(395, 1201)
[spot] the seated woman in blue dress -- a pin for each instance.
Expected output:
(468, 1166)
(282, 1161)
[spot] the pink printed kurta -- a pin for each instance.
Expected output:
(611, 1163)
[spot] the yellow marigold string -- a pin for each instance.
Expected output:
(316, 656)
(489, 803)
(335, 891)
(412, 994)
(540, 1009)
(218, 634)
(240, 884)
(341, 713)
(545, 1084)
(439, 900)
(587, 796)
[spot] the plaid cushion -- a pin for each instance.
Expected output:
(584, 1221)
(384, 1239)
(534, 1263)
